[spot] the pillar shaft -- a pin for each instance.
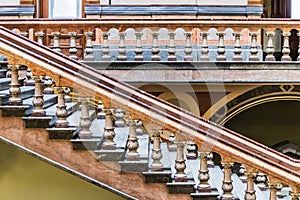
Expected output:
(85, 121)
(227, 185)
(14, 86)
(138, 48)
(156, 152)
(270, 47)
(204, 47)
(155, 49)
(188, 47)
(61, 111)
(56, 46)
(122, 47)
(109, 131)
(105, 47)
(172, 47)
(73, 49)
(237, 48)
(38, 99)
(89, 47)
(203, 176)
(221, 47)
(253, 48)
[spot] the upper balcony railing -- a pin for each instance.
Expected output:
(166, 40)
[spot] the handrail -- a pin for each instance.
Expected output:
(146, 106)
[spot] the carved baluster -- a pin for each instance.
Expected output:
(227, 185)
(172, 47)
(156, 152)
(273, 191)
(138, 48)
(250, 191)
(122, 47)
(61, 111)
(204, 47)
(38, 100)
(105, 47)
(85, 120)
(203, 176)
(56, 46)
(253, 48)
(298, 59)
(73, 49)
(180, 165)
(89, 47)
(270, 47)
(210, 162)
(155, 49)
(261, 181)
(192, 150)
(286, 47)
(48, 83)
(14, 86)
(109, 131)
(40, 37)
(237, 48)
(221, 47)
(188, 47)
(132, 143)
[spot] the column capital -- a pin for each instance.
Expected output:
(13, 66)
(72, 34)
(55, 34)
(88, 34)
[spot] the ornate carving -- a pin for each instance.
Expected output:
(138, 48)
(155, 49)
(221, 47)
(156, 152)
(172, 48)
(188, 47)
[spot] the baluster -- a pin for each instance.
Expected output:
(221, 47)
(61, 111)
(85, 121)
(227, 186)
(204, 48)
(203, 176)
(242, 174)
(119, 115)
(298, 59)
(188, 47)
(89, 47)
(138, 48)
(38, 100)
(40, 37)
(156, 155)
(237, 48)
(109, 131)
(261, 181)
(192, 150)
(270, 47)
(73, 49)
(250, 191)
(253, 48)
(172, 47)
(56, 46)
(172, 146)
(105, 47)
(29, 81)
(286, 47)
(180, 165)
(210, 162)
(139, 127)
(48, 83)
(132, 143)
(14, 86)
(155, 49)
(122, 47)
(273, 191)
(67, 91)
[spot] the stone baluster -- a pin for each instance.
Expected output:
(122, 47)
(138, 48)
(156, 154)
(270, 47)
(180, 175)
(253, 48)
(109, 131)
(29, 81)
(67, 91)
(210, 162)
(250, 191)
(61, 111)
(261, 181)
(192, 150)
(172, 47)
(132, 143)
(237, 48)
(203, 176)
(188, 47)
(204, 47)
(155, 49)
(14, 86)
(40, 37)
(48, 83)
(85, 120)
(119, 115)
(89, 47)
(56, 46)
(73, 49)
(227, 185)
(105, 47)
(172, 146)
(221, 47)
(242, 174)
(298, 59)
(38, 100)
(273, 191)
(286, 47)
(139, 127)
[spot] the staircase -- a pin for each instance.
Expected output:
(113, 135)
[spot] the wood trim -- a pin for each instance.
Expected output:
(256, 2)
(26, 2)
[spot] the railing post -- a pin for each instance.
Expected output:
(172, 48)
(132, 143)
(204, 48)
(227, 185)
(56, 46)
(89, 47)
(122, 47)
(286, 47)
(14, 86)
(38, 100)
(221, 47)
(298, 59)
(61, 111)
(253, 48)
(203, 176)
(237, 48)
(40, 37)
(138, 48)
(85, 120)
(105, 47)
(156, 154)
(155, 49)
(250, 191)
(109, 131)
(73, 49)
(188, 47)
(180, 165)
(270, 47)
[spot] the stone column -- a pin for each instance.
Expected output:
(156, 152)
(38, 100)
(227, 186)
(286, 47)
(172, 47)
(180, 165)
(85, 120)
(253, 48)
(61, 111)
(56, 46)
(105, 47)
(14, 86)
(109, 131)
(73, 49)
(155, 49)
(89, 47)
(204, 48)
(298, 59)
(270, 47)
(40, 37)
(237, 48)
(250, 191)
(138, 48)
(203, 176)
(188, 47)
(132, 143)
(122, 47)
(221, 47)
